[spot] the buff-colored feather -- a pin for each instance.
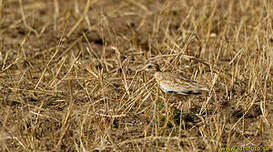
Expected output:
(173, 83)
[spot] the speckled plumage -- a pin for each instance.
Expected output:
(173, 83)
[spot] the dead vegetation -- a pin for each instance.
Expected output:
(69, 80)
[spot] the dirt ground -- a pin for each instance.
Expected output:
(70, 76)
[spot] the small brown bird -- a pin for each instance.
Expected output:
(173, 83)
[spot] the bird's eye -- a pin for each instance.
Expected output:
(149, 66)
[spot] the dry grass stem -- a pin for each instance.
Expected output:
(73, 78)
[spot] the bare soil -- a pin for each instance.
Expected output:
(70, 79)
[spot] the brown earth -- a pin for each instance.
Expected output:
(69, 80)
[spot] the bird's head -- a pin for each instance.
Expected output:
(152, 67)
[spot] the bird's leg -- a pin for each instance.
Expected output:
(189, 104)
(180, 104)
(166, 97)
(166, 100)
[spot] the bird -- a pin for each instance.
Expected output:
(173, 83)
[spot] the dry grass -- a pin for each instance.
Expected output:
(68, 78)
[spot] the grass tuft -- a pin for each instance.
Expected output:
(70, 76)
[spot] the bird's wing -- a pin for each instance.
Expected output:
(173, 83)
